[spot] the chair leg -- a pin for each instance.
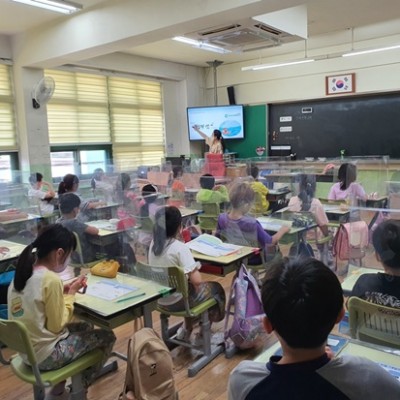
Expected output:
(166, 332)
(38, 392)
(78, 390)
(210, 352)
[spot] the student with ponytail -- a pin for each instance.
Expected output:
(305, 201)
(38, 298)
(70, 184)
(167, 249)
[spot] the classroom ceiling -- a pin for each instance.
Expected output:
(324, 16)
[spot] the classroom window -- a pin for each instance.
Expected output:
(97, 109)
(79, 160)
(9, 167)
(8, 137)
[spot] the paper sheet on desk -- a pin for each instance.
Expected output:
(212, 246)
(108, 290)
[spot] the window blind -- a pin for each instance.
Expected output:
(94, 109)
(78, 110)
(8, 137)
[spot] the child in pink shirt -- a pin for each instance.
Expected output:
(347, 188)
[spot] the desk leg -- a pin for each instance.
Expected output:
(148, 320)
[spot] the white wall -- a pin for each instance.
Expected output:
(378, 72)
(5, 47)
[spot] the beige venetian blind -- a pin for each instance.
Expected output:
(137, 122)
(78, 111)
(8, 136)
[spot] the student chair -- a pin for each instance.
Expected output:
(374, 323)
(81, 264)
(175, 277)
(15, 335)
(209, 217)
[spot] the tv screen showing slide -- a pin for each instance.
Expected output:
(228, 119)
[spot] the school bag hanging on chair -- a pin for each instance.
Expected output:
(351, 241)
(248, 313)
(149, 371)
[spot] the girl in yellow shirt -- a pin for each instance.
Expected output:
(38, 298)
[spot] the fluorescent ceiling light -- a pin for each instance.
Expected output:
(61, 6)
(282, 64)
(357, 53)
(201, 45)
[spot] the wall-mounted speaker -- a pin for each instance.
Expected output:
(231, 95)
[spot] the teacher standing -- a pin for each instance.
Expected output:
(215, 142)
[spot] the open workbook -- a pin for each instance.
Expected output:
(212, 246)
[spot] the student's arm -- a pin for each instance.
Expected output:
(278, 235)
(91, 230)
(59, 308)
(195, 278)
(223, 191)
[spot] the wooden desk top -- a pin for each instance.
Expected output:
(226, 260)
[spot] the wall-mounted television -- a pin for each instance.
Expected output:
(228, 119)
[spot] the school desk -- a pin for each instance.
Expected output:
(105, 211)
(273, 225)
(111, 313)
(335, 213)
(108, 232)
(353, 275)
(14, 250)
(223, 265)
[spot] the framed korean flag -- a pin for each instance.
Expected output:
(338, 84)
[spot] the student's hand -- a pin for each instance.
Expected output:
(76, 285)
(284, 229)
(329, 353)
(216, 187)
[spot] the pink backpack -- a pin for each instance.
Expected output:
(351, 240)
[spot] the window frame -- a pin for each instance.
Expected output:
(76, 149)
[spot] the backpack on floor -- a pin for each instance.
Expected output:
(351, 240)
(248, 314)
(149, 371)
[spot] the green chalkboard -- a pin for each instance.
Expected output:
(361, 125)
(255, 126)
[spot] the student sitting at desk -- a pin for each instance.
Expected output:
(347, 188)
(262, 191)
(70, 184)
(69, 208)
(129, 201)
(238, 228)
(383, 288)
(305, 201)
(100, 183)
(210, 192)
(38, 298)
(166, 249)
(43, 191)
(177, 188)
(303, 300)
